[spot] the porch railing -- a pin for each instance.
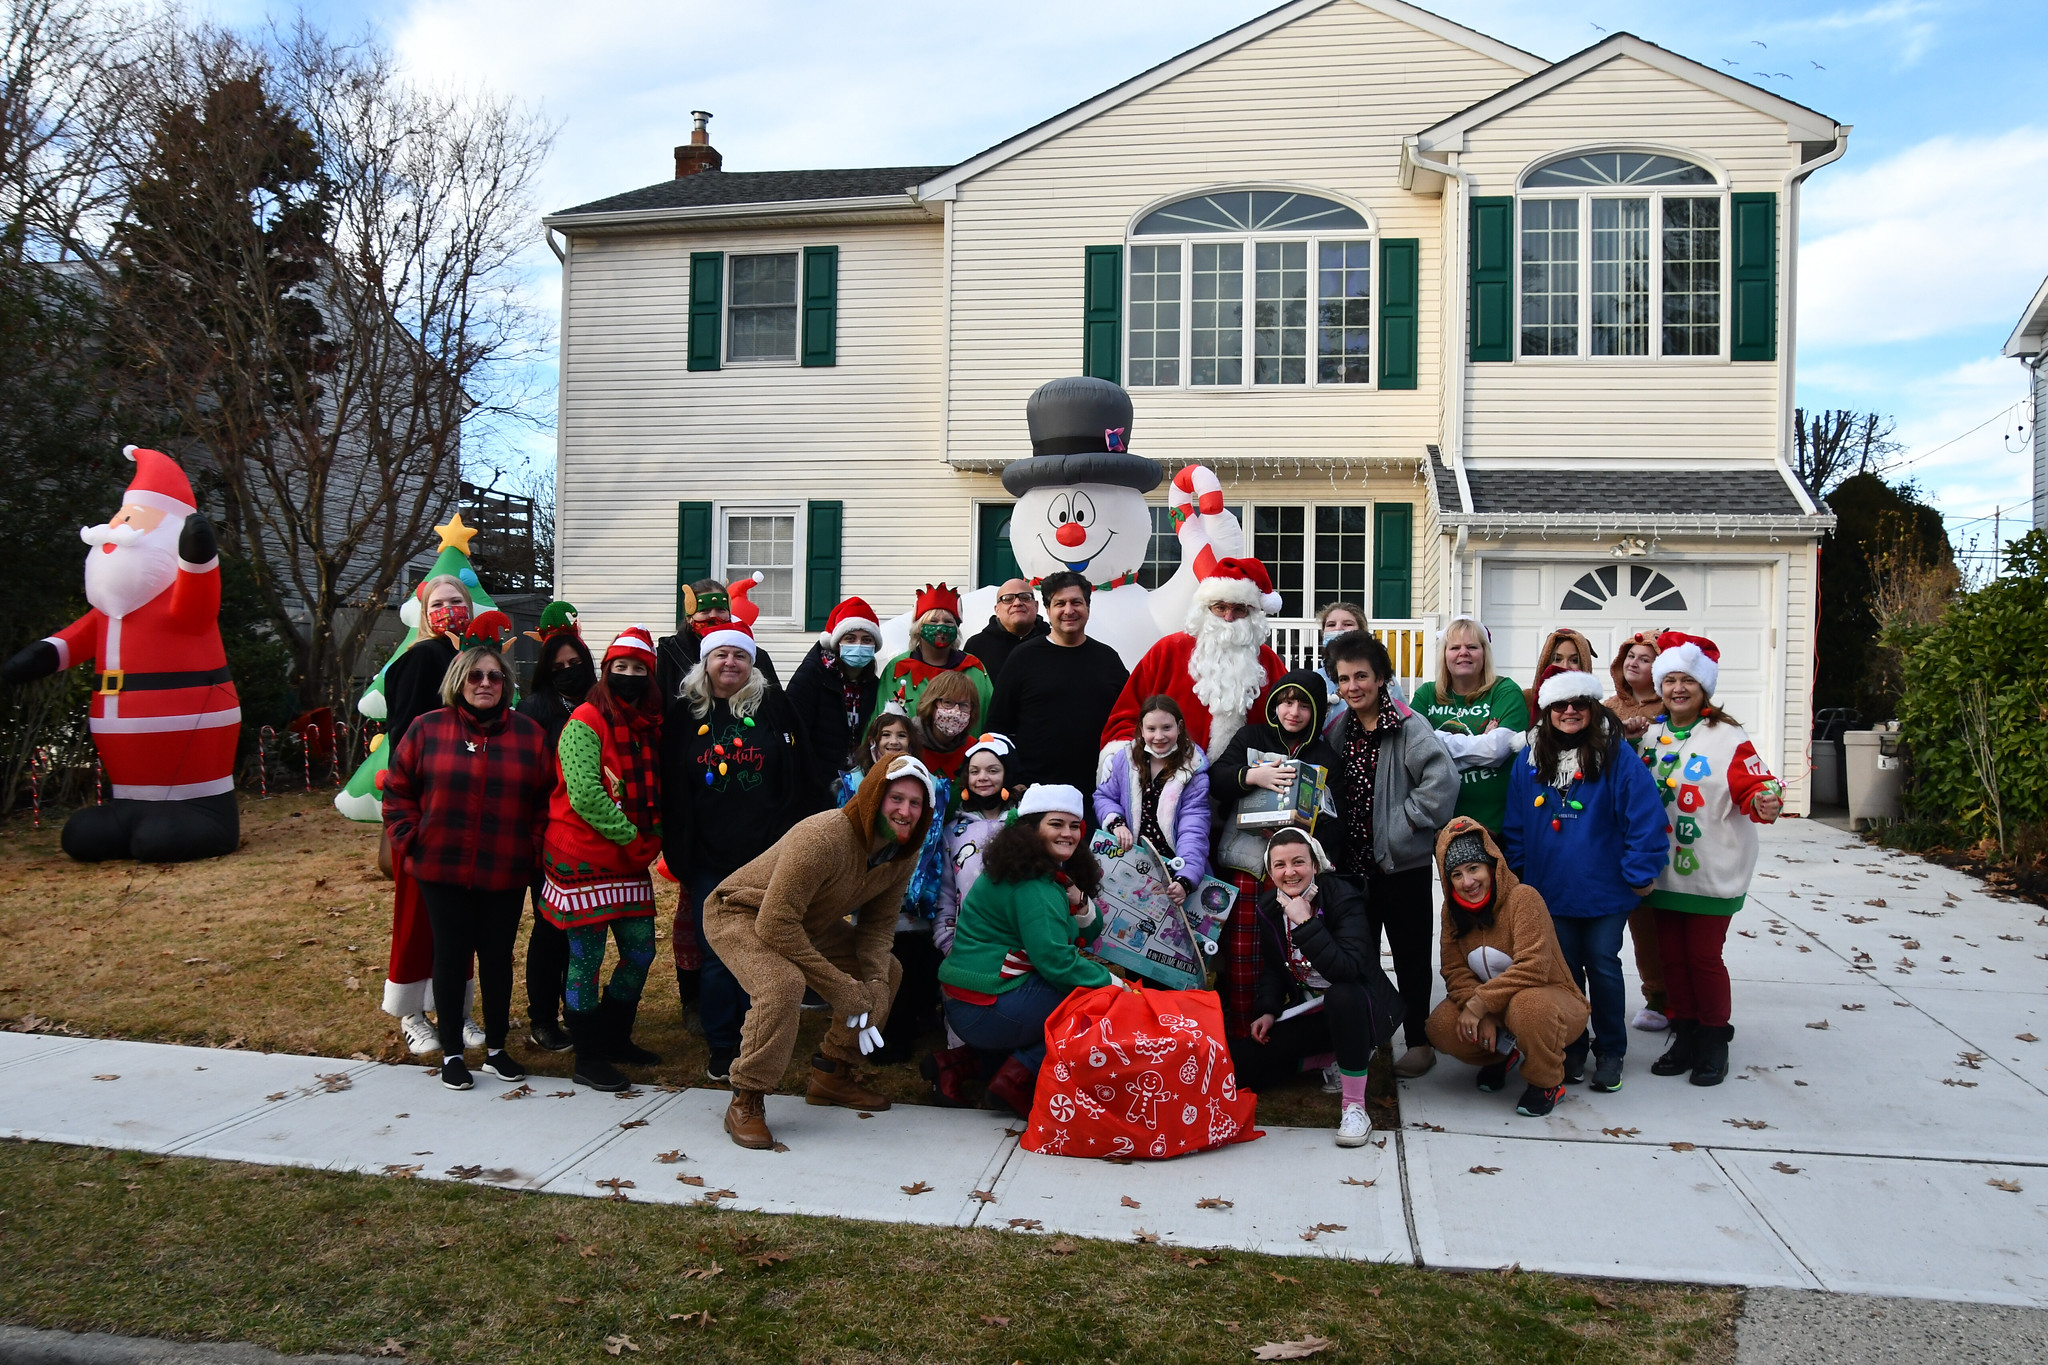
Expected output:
(1411, 644)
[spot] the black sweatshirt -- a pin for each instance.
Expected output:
(993, 645)
(1053, 702)
(412, 686)
(1340, 943)
(721, 825)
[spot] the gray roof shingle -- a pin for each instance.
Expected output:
(1606, 492)
(709, 188)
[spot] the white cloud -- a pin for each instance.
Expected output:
(1947, 235)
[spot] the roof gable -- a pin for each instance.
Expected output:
(2031, 336)
(941, 186)
(1802, 124)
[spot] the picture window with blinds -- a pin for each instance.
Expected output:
(1250, 288)
(1622, 254)
(761, 314)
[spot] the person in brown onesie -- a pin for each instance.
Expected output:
(1511, 997)
(819, 909)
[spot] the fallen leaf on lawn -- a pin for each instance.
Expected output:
(1781, 1166)
(1879, 903)
(591, 1252)
(1483, 1170)
(671, 1158)
(1148, 1238)
(1745, 933)
(517, 1092)
(402, 1172)
(614, 1345)
(1964, 1085)
(615, 1185)
(2009, 1186)
(766, 1259)
(1752, 1124)
(1431, 1127)
(564, 1238)
(1214, 1203)
(919, 1188)
(1310, 1236)
(392, 1347)
(2026, 1037)
(1622, 1132)
(561, 1094)
(1291, 1350)
(194, 961)
(1970, 1060)
(573, 1303)
(1820, 1025)
(278, 1096)
(994, 1321)
(1282, 1279)
(1013, 1132)
(630, 1124)
(696, 1180)
(1061, 1247)
(1362, 1184)
(106, 1078)
(1852, 1008)
(713, 1196)
(465, 1172)
(859, 1115)
(1330, 1227)
(1131, 1203)
(335, 1082)
(700, 1319)
(1601, 1299)
(704, 1272)
(1027, 1225)
(350, 983)
(629, 1093)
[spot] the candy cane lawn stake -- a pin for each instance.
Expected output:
(306, 755)
(337, 748)
(262, 762)
(36, 763)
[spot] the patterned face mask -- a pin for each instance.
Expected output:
(938, 633)
(448, 620)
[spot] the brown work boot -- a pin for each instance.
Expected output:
(747, 1121)
(832, 1083)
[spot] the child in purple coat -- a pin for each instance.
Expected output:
(1158, 789)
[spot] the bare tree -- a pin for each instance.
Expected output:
(1830, 446)
(66, 71)
(320, 279)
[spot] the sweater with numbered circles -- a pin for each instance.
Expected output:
(1708, 777)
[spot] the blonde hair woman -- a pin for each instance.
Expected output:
(1479, 715)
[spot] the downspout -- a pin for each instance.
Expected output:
(1787, 315)
(1457, 361)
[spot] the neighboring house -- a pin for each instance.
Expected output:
(2029, 344)
(1460, 329)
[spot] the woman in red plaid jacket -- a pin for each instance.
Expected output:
(466, 802)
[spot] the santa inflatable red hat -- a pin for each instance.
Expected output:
(1693, 655)
(731, 633)
(1567, 684)
(159, 483)
(1244, 581)
(851, 615)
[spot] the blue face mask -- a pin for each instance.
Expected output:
(1330, 635)
(856, 656)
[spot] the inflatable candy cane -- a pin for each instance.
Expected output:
(1208, 531)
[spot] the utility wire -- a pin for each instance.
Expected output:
(1952, 440)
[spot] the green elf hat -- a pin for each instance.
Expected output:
(557, 618)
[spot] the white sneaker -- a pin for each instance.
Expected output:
(1355, 1128)
(1333, 1084)
(420, 1036)
(1649, 1021)
(472, 1033)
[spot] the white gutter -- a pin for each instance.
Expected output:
(1787, 315)
(1457, 361)
(780, 208)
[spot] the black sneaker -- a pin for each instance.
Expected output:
(1575, 1063)
(1606, 1075)
(455, 1074)
(1493, 1077)
(501, 1065)
(1536, 1101)
(549, 1036)
(720, 1067)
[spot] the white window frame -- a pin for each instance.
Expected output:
(721, 516)
(1656, 195)
(1247, 512)
(1369, 234)
(795, 359)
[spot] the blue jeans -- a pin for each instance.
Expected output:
(721, 1004)
(1014, 1024)
(1592, 952)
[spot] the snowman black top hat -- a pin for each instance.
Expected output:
(1080, 433)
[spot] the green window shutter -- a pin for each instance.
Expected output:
(1400, 311)
(821, 562)
(693, 547)
(1493, 278)
(1393, 559)
(707, 286)
(1754, 267)
(821, 307)
(1102, 327)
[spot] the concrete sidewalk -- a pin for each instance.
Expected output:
(1857, 1157)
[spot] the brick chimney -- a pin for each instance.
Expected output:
(698, 154)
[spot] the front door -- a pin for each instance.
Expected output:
(994, 563)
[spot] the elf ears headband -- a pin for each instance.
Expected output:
(711, 599)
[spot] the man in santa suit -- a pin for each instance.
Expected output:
(1216, 666)
(165, 717)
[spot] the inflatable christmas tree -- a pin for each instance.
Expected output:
(362, 798)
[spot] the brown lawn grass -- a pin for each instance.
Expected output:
(282, 947)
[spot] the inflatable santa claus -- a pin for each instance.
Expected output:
(165, 717)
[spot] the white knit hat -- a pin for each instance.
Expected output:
(1048, 797)
(1569, 685)
(1693, 655)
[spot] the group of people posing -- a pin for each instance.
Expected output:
(905, 842)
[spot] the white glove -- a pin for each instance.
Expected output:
(867, 1034)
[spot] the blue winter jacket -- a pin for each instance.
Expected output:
(1609, 835)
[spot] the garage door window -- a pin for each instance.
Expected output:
(1597, 589)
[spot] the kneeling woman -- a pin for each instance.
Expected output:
(1016, 952)
(1510, 996)
(1316, 935)
(819, 910)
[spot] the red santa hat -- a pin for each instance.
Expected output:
(159, 483)
(1243, 581)
(937, 597)
(1567, 684)
(1693, 655)
(850, 615)
(733, 633)
(634, 642)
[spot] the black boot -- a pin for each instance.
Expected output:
(1710, 1062)
(615, 1017)
(1684, 1048)
(1575, 1060)
(593, 1068)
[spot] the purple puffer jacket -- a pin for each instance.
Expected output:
(1183, 808)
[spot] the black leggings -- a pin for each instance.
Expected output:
(917, 999)
(470, 922)
(547, 966)
(1350, 1024)
(1399, 903)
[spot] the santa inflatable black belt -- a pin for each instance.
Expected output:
(165, 717)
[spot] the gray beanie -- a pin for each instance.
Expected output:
(1469, 847)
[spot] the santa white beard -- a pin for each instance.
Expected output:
(1225, 669)
(141, 564)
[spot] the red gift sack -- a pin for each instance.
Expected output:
(1137, 1073)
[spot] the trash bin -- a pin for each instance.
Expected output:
(1874, 776)
(1830, 723)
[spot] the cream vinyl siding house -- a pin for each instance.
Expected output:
(1300, 247)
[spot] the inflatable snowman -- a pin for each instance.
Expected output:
(1081, 507)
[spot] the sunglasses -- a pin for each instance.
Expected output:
(487, 677)
(1575, 704)
(1012, 598)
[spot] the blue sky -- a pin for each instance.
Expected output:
(1919, 249)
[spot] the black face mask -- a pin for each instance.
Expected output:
(574, 679)
(627, 687)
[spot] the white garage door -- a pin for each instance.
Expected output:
(1732, 604)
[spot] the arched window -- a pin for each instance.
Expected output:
(1647, 590)
(1238, 287)
(1621, 254)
